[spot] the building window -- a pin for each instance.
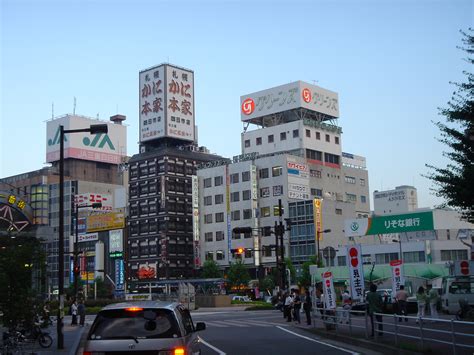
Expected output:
(339, 211)
(247, 235)
(209, 255)
(246, 194)
(350, 179)
(219, 236)
(208, 237)
(277, 171)
(328, 138)
(283, 136)
(341, 261)
(208, 218)
(247, 213)
(219, 199)
(265, 192)
(385, 258)
(267, 251)
(235, 196)
(315, 173)
(318, 136)
(263, 173)
(270, 138)
(235, 215)
(265, 211)
(414, 257)
(453, 255)
(362, 182)
(308, 133)
(219, 217)
(259, 140)
(234, 178)
(351, 197)
(247, 143)
(296, 133)
(248, 253)
(207, 200)
(235, 235)
(314, 154)
(276, 210)
(246, 176)
(278, 190)
(331, 158)
(219, 255)
(218, 181)
(336, 140)
(317, 192)
(207, 182)
(363, 199)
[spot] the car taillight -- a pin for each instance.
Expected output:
(179, 351)
(134, 309)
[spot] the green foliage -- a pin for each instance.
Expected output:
(305, 278)
(238, 275)
(454, 182)
(104, 290)
(289, 265)
(260, 307)
(268, 283)
(210, 270)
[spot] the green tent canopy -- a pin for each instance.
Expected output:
(381, 272)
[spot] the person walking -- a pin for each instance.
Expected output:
(74, 312)
(374, 305)
(433, 298)
(346, 306)
(421, 300)
(288, 304)
(401, 296)
(297, 307)
(307, 307)
(81, 310)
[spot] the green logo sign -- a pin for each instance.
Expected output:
(410, 222)
(354, 226)
(55, 140)
(98, 139)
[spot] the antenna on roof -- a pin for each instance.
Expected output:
(52, 110)
(74, 107)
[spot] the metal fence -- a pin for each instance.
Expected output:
(447, 334)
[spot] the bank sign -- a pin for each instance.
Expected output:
(410, 222)
(108, 147)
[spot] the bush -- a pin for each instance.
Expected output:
(260, 307)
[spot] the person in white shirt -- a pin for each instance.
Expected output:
(288, 305)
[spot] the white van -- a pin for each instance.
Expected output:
(455, 288)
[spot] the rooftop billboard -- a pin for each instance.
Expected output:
(288, 97)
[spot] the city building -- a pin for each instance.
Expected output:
(293, 156)
(160, 241)
(402, 199)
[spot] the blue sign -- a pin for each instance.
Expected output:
(119, 274)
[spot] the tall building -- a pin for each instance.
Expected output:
(402, 199)
(294, 155)
(160, 242)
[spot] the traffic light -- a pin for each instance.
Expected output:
(238, 251)
(77, 270)
(243, 230)
(266, 231)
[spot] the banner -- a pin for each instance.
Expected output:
(463, 268)
(356, 271)
(318, 219)
(329, 294)
(398, 278)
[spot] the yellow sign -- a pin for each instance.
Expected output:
(106, 221)
(318, 219)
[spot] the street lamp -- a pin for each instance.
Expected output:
(318, 236)
(399, 241)
(76, 241)
(93, 129)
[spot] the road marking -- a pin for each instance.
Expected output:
(220, 352)
(318, 341)
(211, 323)
(231, 323)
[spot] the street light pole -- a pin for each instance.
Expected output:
(318, 236)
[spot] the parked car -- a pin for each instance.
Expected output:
(241, 298)
(386, 294)
(142, 327)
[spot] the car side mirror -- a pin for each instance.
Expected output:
(200, 326)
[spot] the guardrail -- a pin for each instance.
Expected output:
(457, 335)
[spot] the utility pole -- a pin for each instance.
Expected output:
(281, 232)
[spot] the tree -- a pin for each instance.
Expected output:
(210, 270)
(268, 283)
(455, 182)
(238, 275)
(305, 277)
(289, 265)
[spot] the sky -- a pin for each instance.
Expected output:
(391, 63)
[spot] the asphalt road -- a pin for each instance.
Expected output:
(262, 332)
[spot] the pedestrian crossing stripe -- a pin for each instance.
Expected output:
(243, 324)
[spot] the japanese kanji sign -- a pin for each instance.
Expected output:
(356, 272)
(318, 219)
(410, 222)
(329, 294)
(398, 278)
(166, 103)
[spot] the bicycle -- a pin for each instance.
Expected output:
(35, 333)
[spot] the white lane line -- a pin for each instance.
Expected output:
(230, 323)
(318, 341)
(213, 324)
(220, 352)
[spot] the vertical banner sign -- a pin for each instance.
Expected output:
(195, 202)
(356, 271)
(227, 202)
(398, 278)
(318, 219)
(463, 268)
(329, 294)
(256, 241)
(119, 274)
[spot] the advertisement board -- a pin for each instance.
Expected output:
(398, 278)
(166, 96)
(195, 206)
(89, 237)
(115, 240)
(318, 219)
(147, 271)
(108, 147)
(90, 198)
(329, 294)
(119, 274)
(105, 221)
(290, 96)
(356, 272)
(298, 181)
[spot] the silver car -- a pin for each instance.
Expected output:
(145, 327)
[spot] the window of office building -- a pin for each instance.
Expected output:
(208, 218)
(219, 255)
(209, 255)
(283, 136)
(246, 194)
(219, 236)
(219, 217)
(247, 235)
(219, 199)
(317, 192)
(218, 180)
(278, 190)
(234, 178)
(265, 211)
(296, 133)
(341, 261)
(246, 176)
(351, 197)
(314, 154)
(331, 158)
(362, 182)
(247, 213)
(385, 258)
(247, 143)
(259, 140)
(453, 255)
(308, 133)
(277, 171)
(265, 192)
(263, 173)
(328, 138)
(414, 257)
(208, 237)
(236, 235)
(315, 173)
(350, 179)
(207, 182)
(338, 211)
(363, 199)
(248, 253)
(235, 215)
(235, 196)
(207, 200)
(318, 135)
(336, 140)
(270, 138)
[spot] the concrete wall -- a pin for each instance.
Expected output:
(213, 301)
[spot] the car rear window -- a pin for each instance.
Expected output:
(126, 324)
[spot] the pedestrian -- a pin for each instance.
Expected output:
(421, 300)
(346, 306)
(307, 307)
(81, 310)
(374, 303)
(433, 298)
(297, 307)
(74, 312)
(401, 296)
(46, 310)
(288, 304)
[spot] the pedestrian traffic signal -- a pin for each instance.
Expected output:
(77, 270)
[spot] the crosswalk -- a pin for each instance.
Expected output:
(244, 323)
